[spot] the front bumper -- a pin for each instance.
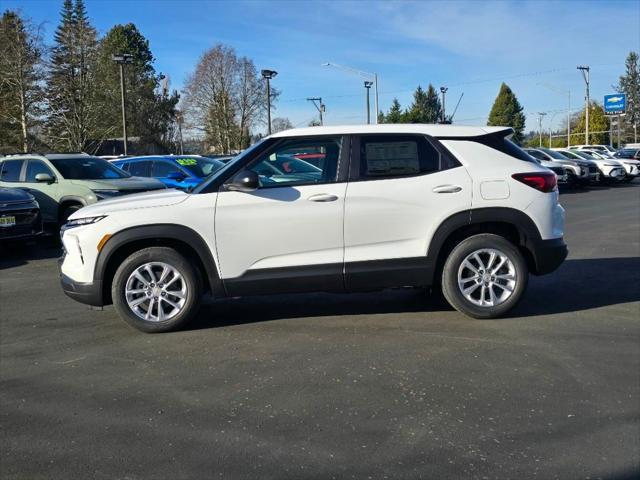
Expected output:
(549, 255)
(87, 293)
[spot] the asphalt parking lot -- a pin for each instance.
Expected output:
(380, 385)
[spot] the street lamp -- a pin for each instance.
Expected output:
(585, 75)
(367, 86)
(268, 75)
(540, 115)
(568, 93)
(122, 59)
(361, 74)
(443, 90)
(179, 119)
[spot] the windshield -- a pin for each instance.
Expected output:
(200, 166)
(553, 154)
(87, 168)
(584, 155)
(205, 181)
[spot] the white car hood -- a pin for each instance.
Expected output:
(157, 198)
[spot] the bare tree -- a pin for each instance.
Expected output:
(279, 124)
(224, 98)
(21, 93)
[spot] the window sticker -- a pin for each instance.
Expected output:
(392, 158)
(187, 161)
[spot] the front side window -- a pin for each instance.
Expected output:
(34, 167)
(388, 156)
(281, 167)
(10, 170)
(86, 168)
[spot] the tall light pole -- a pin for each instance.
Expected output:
(551, 127)
(360, 73)
(585, 74)
(443, 90)
(268, 75)
(367, 86)
(122, 59)
(563, 91)
(540, 115)
(319, 106)
(179, 120)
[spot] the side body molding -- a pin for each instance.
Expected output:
(162, 232)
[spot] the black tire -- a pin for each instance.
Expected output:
(452, 291)
(169, 256)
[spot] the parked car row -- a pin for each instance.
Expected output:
(584, 164)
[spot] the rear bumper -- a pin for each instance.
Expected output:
(549, 255)
(87, 293)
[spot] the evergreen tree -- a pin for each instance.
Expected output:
(73, 111)
(507, 112)
(21, 94)
(630, 84)
(598, 122)
(150, 108)
(395, 113)
(426, 107)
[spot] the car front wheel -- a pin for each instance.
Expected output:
(484, 276)
(156, 290)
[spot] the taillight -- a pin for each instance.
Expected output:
(542, 181)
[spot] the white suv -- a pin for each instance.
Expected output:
(334, 209)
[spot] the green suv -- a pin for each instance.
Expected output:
(64, 183)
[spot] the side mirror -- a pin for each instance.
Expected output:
(244, 181)
(44, 178)
(177, 176)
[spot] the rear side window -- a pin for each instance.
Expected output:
(10, 170)
(388, 156)
(140, 169)
(162, 168)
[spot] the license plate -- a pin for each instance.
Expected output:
(7, 221)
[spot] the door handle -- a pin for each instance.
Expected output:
(447, 189)
(322, 197)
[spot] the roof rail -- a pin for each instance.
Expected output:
(10, 154)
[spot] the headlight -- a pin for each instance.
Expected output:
(103, 194)
(78, 222)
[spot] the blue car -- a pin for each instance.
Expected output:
(175, 171)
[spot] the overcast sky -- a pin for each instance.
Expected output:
(468, 46)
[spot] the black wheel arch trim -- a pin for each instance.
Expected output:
(529, 235)
(160, 232)
(74, 199)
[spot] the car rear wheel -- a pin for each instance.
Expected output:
(156, 290)
(485, 276)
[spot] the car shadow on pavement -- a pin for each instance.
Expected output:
(15, 254)
(583, 284)
(579, 284)
(238, 311)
